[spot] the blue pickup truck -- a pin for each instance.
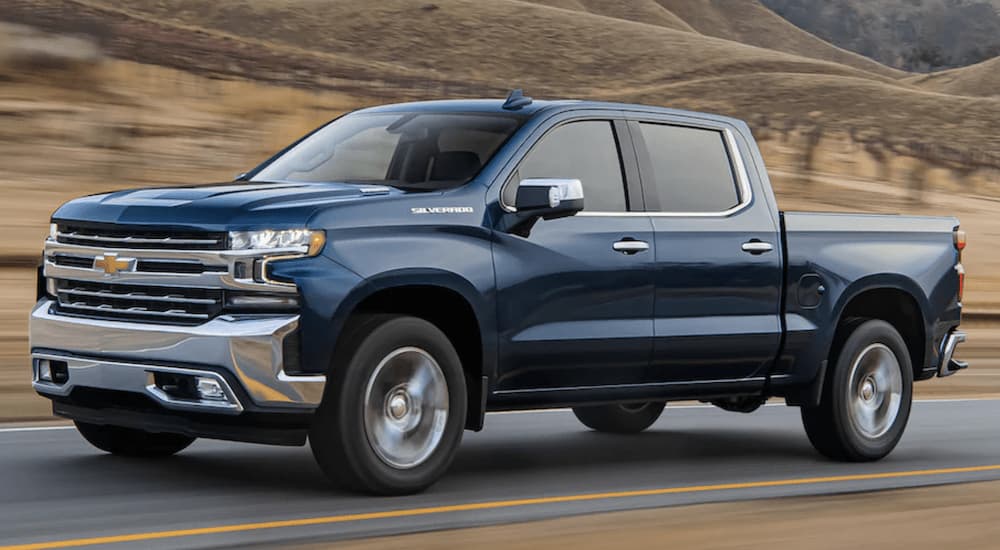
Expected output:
(380, 285)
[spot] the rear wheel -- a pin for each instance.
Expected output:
(394, 409)
(866, 397)
(131, 442)
(622, 418)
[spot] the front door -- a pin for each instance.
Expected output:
(575, 297)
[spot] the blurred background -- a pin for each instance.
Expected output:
(861, 105)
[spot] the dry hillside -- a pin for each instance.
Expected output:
(640, 11)
(916, 35)
(982, 79)
(494, 44)
(749, 22)
(398, 49)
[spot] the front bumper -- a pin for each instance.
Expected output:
(243, 354)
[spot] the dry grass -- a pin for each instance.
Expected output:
(650, 12)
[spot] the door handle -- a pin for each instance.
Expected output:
(755, 247)
(630, 246)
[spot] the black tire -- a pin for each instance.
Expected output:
(620, 419)
(346, 448)
(836, 428)
(131, 442)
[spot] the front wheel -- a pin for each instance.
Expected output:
(394, 408)
(866, 398)
(131, 442)
(622, 418)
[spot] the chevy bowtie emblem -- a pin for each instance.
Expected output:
(111, 264)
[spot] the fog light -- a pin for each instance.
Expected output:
(210, 389)
(44, 370)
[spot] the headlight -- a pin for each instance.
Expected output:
(268, 239)
(53, 232)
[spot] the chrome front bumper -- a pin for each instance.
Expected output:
(947, 364)
(125, 356)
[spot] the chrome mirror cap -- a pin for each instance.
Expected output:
(559, 189)
(561, 196)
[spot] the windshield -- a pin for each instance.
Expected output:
(422, 151)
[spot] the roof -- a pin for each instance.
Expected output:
(536, 106)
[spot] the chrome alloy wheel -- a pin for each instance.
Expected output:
(875, 391)
(406, 407)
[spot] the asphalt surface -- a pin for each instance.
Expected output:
(54, 487)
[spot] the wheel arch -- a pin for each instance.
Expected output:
(447, 301)
(892, 298)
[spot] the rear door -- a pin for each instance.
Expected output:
(575, 308)
(718, 272)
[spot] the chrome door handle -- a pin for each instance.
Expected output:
(757, 247)
(630, 247)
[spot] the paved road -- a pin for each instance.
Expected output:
(54, 487)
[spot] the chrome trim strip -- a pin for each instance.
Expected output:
(208, 257)
(250, 347)
(132, 311)
(136, 240)
(131, 377)
(138, 297)
(947, 352)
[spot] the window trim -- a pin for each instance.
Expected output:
(744, 188)
(630, 170)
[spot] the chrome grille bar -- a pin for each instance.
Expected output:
(106, 310)
(108, 300)
(138, 296)
(137, 240)
(123, 236)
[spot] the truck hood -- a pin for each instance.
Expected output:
(219, 206)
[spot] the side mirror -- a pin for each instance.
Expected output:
(543, 198)
(549, 198)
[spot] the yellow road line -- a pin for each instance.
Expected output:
(234, 528)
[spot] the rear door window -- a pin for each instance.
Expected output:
(691, 169)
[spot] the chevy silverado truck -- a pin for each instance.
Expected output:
(380, 285)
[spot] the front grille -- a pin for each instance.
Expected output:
(125, 237)
(179, 267)
(174, 305)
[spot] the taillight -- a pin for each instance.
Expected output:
(961, 280)
(959, 240)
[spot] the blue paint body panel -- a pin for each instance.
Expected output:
(562, 317)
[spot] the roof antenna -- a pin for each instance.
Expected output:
(516, 100)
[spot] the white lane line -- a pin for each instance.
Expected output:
(530, 411)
